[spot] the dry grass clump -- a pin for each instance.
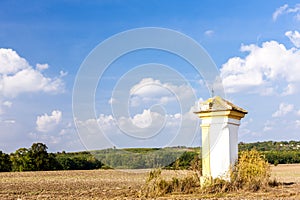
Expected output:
(157, 186)
(217, 186)
(250, 173)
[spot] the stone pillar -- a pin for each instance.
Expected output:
(220, 123)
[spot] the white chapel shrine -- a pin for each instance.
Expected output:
(220, 124)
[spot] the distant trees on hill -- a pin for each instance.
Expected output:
(36, 158)
(138, 158)
(5, 163)
(276, 152)
(282, 157)
(77, 161)
(271, 146)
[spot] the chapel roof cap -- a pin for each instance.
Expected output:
(217, 103)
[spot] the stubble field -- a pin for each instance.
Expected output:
(125, 184)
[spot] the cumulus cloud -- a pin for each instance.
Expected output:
(285, 9)
(148, 128)
(261, 68)
(294, 37)
(151, 90)
(28, 80)
(142, 120)
(46, 123)
(11, 62)
(145, 88)
(17, 76)
(283, 110)
(161, 113)
(62, 139)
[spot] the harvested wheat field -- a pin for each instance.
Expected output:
(125, 184)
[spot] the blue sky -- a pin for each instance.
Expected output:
(254, 44)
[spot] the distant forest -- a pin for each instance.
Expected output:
(36, 158)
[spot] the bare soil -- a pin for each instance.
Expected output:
(125, 184)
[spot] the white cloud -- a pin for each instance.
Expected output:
(294, 37)
(46, 123)
(17, 76)
(295, 9)
(148, 118)
(148, 128)
(285, 9)
(67, 129)
(62, 73)
(209, 33)
(283, 110)
(61, 136)
(145, 124)
(150, 90)
(41, 67)
(298, 112)
(29, 80)
(11, 62)
(279, 11)
(263, 67)
(145, 88)
(290, 89)
(142, 120)
(105, 121)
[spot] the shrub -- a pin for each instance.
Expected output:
(251, 172)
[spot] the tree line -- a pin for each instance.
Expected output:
(36, 158)
(283, 152)
(138, 158)
(271, 146)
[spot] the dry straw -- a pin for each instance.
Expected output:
(250, 173)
